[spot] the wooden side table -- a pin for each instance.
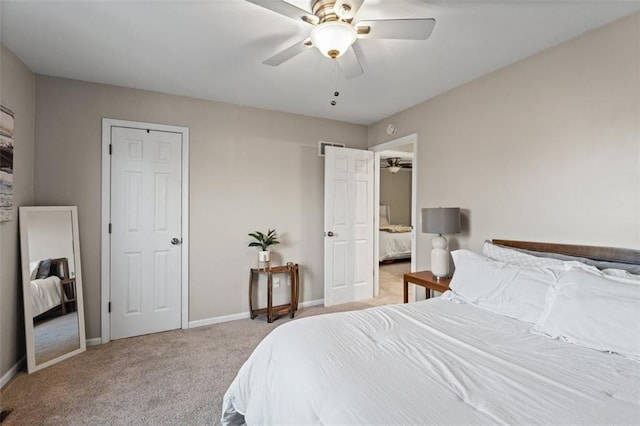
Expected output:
(68, 294)
(427, 280)
(270, 310)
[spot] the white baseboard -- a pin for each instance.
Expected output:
(310, 303)
(216, 320)
(243, 315)
(12, 372)
(95, 341)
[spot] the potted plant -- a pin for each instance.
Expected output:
(264, 241)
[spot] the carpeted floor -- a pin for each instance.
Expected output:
(390, 276)
(176, 377)
(56, 336)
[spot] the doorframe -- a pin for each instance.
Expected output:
(105, 240)
(411, 139)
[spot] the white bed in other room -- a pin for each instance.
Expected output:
(394, 241)
(45, 294)
(438, 361)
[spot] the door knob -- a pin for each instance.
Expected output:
(175, 241)
(330, 234)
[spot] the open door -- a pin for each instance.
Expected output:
(348, 225)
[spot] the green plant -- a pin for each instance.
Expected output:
(264, 240)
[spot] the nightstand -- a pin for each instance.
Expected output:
(68, 295)
(288, 308)
(427, 280)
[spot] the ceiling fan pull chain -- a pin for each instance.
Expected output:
(336, 93)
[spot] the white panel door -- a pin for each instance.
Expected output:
(348, 217)
(146, 233)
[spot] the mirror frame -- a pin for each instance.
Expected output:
(26, 287)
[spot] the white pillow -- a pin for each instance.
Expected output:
(384, 215)
(510, 290)
(516, 257)
(590, 309)
(33, 267)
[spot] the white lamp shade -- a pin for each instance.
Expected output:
(393, 169)
(333, 38)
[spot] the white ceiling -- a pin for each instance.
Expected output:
(214, 49)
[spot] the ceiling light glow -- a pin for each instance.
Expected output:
(333, 38)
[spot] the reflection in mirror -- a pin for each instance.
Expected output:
(52, 285)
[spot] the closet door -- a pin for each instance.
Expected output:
(348, 215)
(146, 232)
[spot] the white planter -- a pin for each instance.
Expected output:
(264, 256)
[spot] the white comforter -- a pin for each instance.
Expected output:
(45, 294)
(394, 245)
(431, 362)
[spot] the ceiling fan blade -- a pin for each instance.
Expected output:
(350, 64)
(287, 9)
(288, 53)
(405, 29)
(348, 12)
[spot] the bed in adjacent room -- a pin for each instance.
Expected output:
(519, 338)
(46, 291)
(394, 240)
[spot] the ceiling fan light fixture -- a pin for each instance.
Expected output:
(394, 169)
(333, 38)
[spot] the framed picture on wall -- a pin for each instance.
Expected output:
(6, 164)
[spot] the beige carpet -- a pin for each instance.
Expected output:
(56, 336)
(176, 377)
(391, 282)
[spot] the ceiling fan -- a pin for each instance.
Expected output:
(334, 31)
(395, 164)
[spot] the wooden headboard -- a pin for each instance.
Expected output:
(60, 267)
(609, 254)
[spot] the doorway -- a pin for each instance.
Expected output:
(396, 184)
(144, 228)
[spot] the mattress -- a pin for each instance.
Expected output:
(431, 362)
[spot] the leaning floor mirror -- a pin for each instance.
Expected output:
(52, 285)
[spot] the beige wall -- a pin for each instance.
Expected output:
(50, 236)
(395, 192)
(17, 91)
(250, 169)
(547, 149)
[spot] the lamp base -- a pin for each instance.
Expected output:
(439, 257)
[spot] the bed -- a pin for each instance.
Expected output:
(46, 291)
(394, 241)
(456, 359)
(45, 295)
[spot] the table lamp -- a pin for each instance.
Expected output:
(440, 221)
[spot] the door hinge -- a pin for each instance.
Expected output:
(109, 307)
(109, 228)
(110, 149)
